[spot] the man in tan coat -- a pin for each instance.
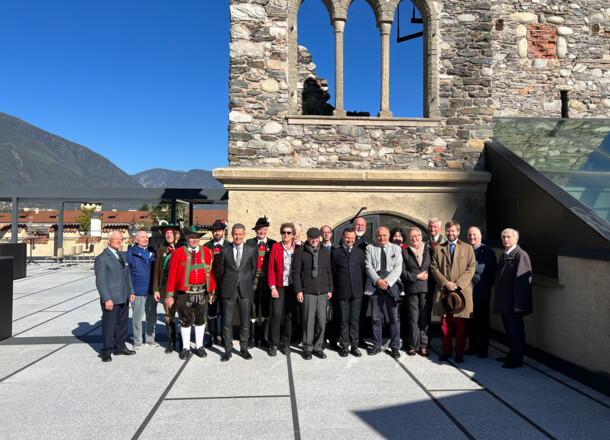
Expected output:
(453, 265)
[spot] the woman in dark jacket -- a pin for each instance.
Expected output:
(416, 309)
(279, 276)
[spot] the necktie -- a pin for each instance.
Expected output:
(451, 249)
(193, 258)
(121, 259)
(238, 259)
(384, 259)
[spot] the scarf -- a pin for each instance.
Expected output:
(419, 253)
(313, 251)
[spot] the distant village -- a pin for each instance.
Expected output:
(81, 239)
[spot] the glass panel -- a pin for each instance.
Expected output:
(572, 153)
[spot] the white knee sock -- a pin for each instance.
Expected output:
(199, 334)
(185, 332)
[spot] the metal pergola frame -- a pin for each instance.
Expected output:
(192, 196)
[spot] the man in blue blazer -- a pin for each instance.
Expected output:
(113, 281)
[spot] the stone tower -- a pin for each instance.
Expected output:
(481, 58)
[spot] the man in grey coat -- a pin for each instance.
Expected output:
(113, 281)
(383, 266)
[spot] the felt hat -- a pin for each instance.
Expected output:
(219, 224)
(192, 229)
(262, 222)
(169, 226)
(453, 302)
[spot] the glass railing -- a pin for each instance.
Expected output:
(572, 153)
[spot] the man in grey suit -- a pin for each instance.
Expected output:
(235, 270)
(383, 267)
(113, 281)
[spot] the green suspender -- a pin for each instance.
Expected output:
(207, 267)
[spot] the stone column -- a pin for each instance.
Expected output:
(339, 26)
(384, 30)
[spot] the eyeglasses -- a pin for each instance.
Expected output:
(286, 232)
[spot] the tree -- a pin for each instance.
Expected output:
(84, 219)
(144, 207)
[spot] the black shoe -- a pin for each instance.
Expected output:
(210, 343)
(355, 352)
(374, 351)
(200, 352)
(307, 356)
(226, 357)
(125, 352)
(107, 358)
(444, 357)
(511, 365)
(503, 358)
(470, 352)
(285, 349)
(459, 358)
(185, 353)
(319, 354)
(343, 352)
(170, 348)
(273, 351)
(483, 355)
(395, 353)
(245, 354)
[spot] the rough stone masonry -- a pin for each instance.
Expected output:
(482, 59)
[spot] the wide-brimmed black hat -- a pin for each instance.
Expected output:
(170, 226)
(219, 224)
(193, 229)
(453, 302)
(262, 222)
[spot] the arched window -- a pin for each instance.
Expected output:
(384, 12)
(373, 221)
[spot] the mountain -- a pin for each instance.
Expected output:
(162, 178)
(34, 157)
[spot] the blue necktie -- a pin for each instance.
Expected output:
(451, 249)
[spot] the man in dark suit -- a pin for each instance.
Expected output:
(260, 309)
(215, 309)
(331, 334)
(483, 279)
(114, 284)
(361, 243)
(513, 295)
(348, 281)
(235, 270)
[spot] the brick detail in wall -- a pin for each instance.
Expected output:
(541, 40)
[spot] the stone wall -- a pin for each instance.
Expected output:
(263, 132)
(543, 47)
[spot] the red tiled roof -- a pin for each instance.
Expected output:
(118, 218)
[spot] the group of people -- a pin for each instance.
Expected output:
(329, 287)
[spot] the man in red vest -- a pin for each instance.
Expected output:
(191, 282)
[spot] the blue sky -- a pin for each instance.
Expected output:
(133, 80)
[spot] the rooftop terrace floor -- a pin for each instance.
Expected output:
(53, 385)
